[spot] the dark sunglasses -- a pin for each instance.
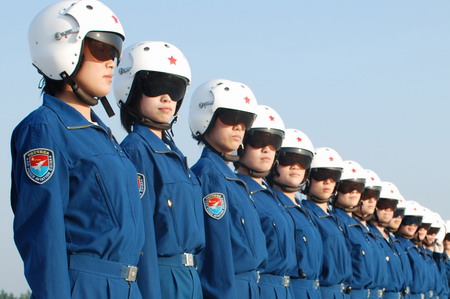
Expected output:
(433, 230)
(290, 158)
(101, 51)
(370, 193)
(384, 204)
(231, 117)
(323, 174)
(408, 220)
(260, 139)
(349, 186)
(399, 213)
(154, 84)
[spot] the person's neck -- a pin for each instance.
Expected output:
(157, 132)
(380, 228)
(447, 251)
(72, 100)
(323, 206)
(290, 195)
(244, 171)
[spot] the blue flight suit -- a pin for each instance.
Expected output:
(395, 283)
(407, 271)
(309, 248)
(235, 243)
(368, 265)
(435, 277)
(420, 282)
(173, 211)
(442, 260)
(78, 218)
(336, 274)
(278, 229)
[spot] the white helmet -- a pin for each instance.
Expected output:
(389, 191)
(325, 157)
(297, 141)
(428, 216)
(56, 34)
(154, 56)
(268, 121)
(353, 172)
(373, 181)
(215, 94)
(412, 208)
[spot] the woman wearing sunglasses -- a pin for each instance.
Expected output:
(220, 113)
(261, 143)
(336, 272)
(149, 87)
(386, 205)
(287, 178)
(369, 265)
(78, 219)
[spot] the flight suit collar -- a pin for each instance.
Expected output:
(220, 163)
(153, 141)
(68, 115)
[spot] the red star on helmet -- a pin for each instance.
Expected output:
(372, 178)
(271, 118)
(331, 159)
(172, 60)
(299, 139)
(392, 191)
(353, 170)
(247, 100)
(115, 19)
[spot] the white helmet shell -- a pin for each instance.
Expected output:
(56, 34)
(326, 157)
(412, 208)
(372, 179)
(268, 119)
(389, 191)
(353, 171)
(152, 56)
(296, 139)
(215, 94)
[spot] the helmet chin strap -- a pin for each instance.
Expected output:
(84, 97)
(225, 156)
(317, 200)
(254, 173)
(286, 188)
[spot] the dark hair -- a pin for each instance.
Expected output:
(129, 110)
(52, 87)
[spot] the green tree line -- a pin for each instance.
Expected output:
(5, 295)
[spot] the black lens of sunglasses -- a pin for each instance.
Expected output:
(101, 51)
(289, 158)
(384, 204)
(232, 117)
(155, 84)
(259, 139)
(409, 220)
(319, 174)
(370, 193)
(347, 187)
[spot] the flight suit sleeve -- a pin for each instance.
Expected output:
(217, 270)
(39, 196)
(148, 277)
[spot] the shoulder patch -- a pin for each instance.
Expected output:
(215, 205)
(141, 184)
(39, 164)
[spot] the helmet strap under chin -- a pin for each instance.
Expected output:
(84, 97)
(225, 156)
(254, 173)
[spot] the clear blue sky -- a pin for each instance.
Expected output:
(370, 79)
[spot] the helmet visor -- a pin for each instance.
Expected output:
(385, 203)
(291, 158)
(323, 174)
(154, 84)
(370, 193)
(104, 45)
(409, 220)
(260, 139)
(350, 186)
(231, 117)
